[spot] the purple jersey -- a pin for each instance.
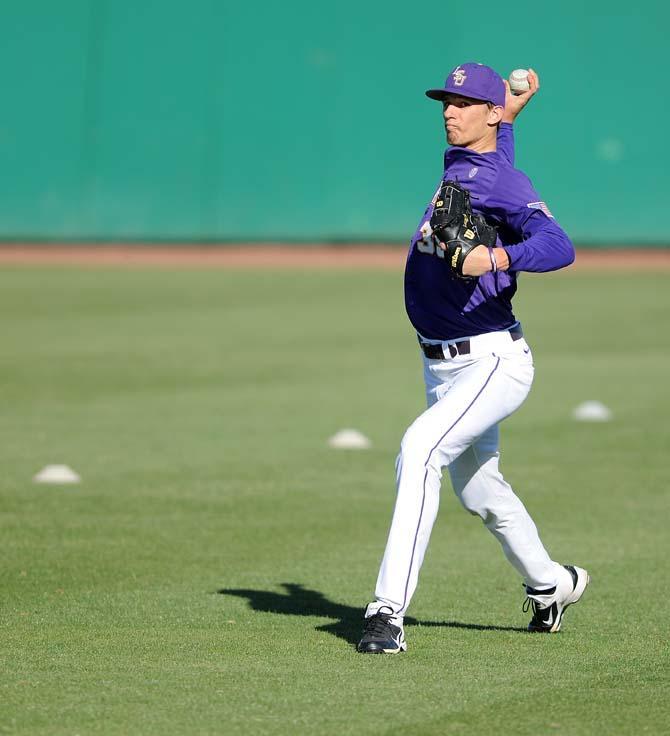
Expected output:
(442, 307)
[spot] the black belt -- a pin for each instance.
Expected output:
(435, 352)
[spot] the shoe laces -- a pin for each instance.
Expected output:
(540, 613)
(528, 603)
(537, 608)
(378, 624)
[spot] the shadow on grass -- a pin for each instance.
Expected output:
(348, 621)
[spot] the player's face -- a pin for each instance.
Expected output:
(466, 121)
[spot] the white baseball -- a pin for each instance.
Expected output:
(518, 81)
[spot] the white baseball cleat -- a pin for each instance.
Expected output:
(549, 605)
(383, 633)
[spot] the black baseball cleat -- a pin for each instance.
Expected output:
(549, 605)
(380, 636)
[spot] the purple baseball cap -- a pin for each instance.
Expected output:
(472, 80)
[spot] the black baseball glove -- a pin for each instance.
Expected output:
(454, 224)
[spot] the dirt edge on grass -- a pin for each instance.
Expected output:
(391, 257)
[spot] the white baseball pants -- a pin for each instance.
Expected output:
(468, 396)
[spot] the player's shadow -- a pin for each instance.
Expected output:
(347, 621)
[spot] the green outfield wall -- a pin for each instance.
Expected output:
(214, 121)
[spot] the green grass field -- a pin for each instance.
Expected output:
(208, 574)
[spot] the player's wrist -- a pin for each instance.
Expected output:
(492, 258)
(501, 259)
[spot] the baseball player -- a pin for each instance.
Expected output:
(484, 225)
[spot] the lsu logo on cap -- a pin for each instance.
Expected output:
(459, 76)
(540, 206)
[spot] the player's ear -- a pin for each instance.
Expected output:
(495, 114)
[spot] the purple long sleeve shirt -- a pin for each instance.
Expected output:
(442, 307)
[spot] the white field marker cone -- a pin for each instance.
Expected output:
(592, 411)
(57, 474)
(349, 439)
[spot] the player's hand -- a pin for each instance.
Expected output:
(478, 261)
(514, 104)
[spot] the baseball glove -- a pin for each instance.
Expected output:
(454, 224)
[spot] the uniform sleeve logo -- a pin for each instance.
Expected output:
(540, 206)
(459, 76)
